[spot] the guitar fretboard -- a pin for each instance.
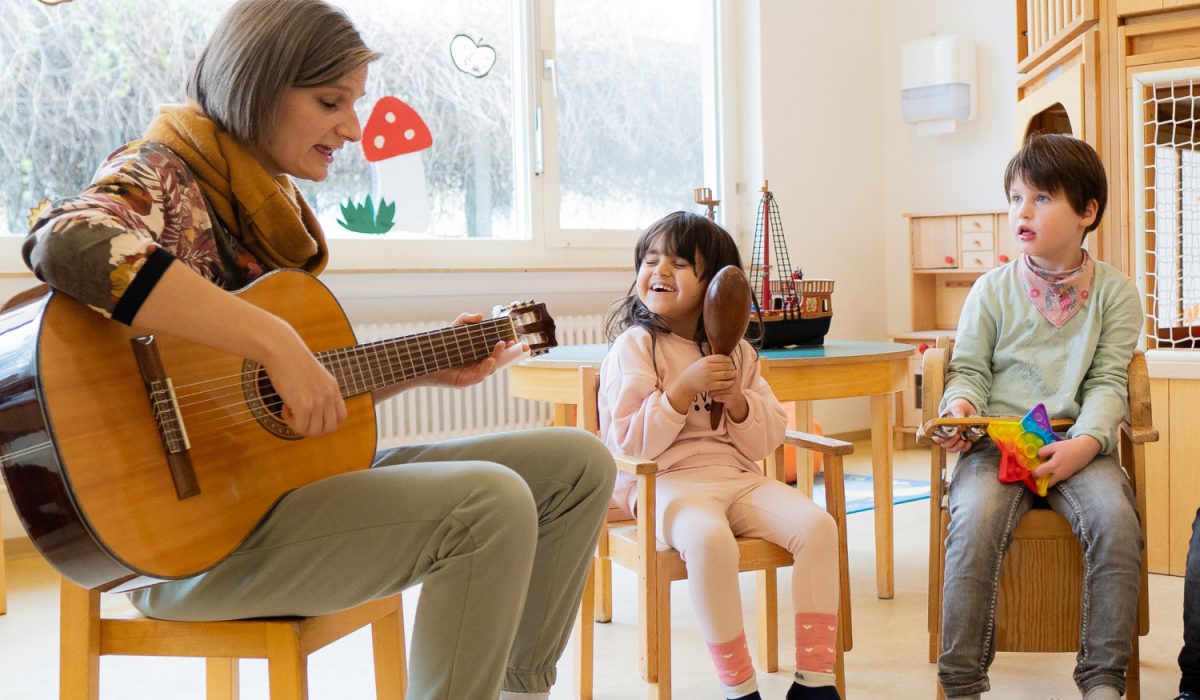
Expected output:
(371, 366)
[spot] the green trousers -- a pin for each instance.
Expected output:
(499, 529)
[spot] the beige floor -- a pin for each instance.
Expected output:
(888, 660)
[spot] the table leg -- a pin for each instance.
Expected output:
(804, 423)
(881, 474)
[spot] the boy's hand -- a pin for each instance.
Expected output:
(958, 408)
(1066, 457)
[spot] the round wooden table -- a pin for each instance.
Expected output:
(839, 369)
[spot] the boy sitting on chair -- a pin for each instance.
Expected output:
(1052, 327)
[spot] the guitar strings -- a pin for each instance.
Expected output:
(344, 367)
(491, 325)
(424, 342)
(343, 363)
(272, 404)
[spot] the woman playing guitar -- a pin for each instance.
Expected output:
(499, 528)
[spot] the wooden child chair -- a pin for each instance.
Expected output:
(3, 584)
(1041, 582)
(632, 544)
(87, 633)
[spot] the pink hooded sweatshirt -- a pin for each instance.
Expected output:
(636, 418)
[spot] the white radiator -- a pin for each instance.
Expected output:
(428, 414)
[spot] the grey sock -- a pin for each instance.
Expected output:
(514, 695)
(1102, 692)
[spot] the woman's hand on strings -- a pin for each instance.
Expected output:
(312, 400)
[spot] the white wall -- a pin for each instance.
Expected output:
(951, 172)
(820, 120)
(811, 126)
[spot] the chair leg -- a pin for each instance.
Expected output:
(584, 635)
(221, 679)
(648, 627)
(839, 667)
(603, 605)
(287, 667)
(768, 620)
(79, 643)
(387, 644)
(661, 690)
(1133, 673)
(3, 584)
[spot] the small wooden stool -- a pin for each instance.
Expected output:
(285, 642)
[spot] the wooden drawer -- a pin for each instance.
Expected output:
(972, 242)
(934, 243)
(980, 260)
(976, 223)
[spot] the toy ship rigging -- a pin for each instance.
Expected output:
(794, 311)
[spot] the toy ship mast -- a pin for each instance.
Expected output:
(776, 296)
(703, 195)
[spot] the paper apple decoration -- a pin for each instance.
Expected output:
(470, 56)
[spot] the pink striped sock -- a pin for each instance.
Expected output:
(816, 641)
(732, 660)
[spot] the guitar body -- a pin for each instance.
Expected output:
(86, 464)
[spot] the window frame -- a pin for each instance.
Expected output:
(536, 193)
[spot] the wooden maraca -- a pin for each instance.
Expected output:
(726, 316)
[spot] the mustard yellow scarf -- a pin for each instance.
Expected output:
(267, 213)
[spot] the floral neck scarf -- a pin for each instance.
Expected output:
(1058, 295)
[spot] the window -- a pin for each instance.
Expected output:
(592, 120)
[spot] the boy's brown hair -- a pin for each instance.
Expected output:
(1061, 164)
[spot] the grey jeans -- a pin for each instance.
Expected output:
(1098, 502)
(500, 529)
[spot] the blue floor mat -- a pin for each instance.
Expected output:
(860, 495)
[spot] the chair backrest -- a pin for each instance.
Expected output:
(587, 414)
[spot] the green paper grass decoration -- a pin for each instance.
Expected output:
(362, 218)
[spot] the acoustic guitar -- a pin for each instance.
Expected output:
(134, 458)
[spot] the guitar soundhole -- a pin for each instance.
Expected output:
(265, 405)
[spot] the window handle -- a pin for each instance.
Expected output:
(549, 72)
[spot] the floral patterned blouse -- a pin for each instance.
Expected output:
(109, 245)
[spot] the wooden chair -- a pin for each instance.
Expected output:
(1031, 615)
(3, 584)
(632, 544)
(284, 642)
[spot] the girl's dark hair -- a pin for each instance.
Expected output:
(704, 244)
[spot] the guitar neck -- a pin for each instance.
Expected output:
(371, 366)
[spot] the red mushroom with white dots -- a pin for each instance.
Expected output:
(393, 139)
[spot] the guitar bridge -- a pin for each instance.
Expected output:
(165, 407)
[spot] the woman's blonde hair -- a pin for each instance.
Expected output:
(261, 48)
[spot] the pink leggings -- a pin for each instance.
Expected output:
(701, 510)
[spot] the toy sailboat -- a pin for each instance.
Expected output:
(794, 311)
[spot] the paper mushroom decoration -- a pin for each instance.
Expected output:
(392, 142)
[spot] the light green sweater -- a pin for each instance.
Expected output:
(1008, 357)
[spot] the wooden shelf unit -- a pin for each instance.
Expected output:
(949, 252)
